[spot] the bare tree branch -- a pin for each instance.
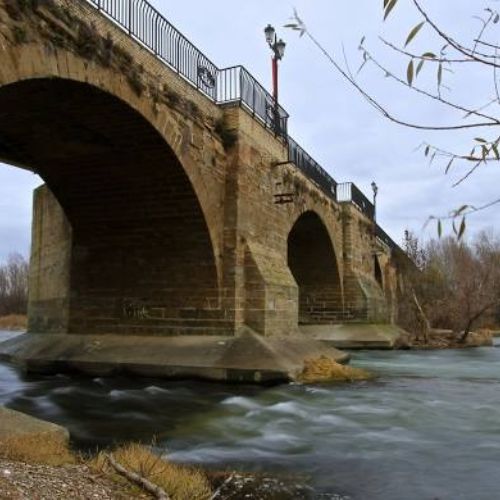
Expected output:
(452, 42)
(438, 98)
(379, 107)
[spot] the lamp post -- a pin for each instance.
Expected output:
(375, 193)
(278, 48)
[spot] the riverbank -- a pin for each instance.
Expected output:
(62, 474)
(14, 323)
(447, 339)
(427, 427)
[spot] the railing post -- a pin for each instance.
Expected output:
(130, 17)
(197, 71)
(254, 99)
(155, 33)
(178, 54)
(239, 91)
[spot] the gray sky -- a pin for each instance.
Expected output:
(328, 118)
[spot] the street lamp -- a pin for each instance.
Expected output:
(375, 192)
(278, 48)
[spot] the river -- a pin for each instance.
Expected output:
(427, 428)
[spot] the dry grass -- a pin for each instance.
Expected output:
(324, 369)
(37, 449)
(180, 482)
(14, 322)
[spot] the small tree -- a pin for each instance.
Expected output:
(461, 282)
(411, 315)
(14, 285)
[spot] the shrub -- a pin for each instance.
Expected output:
(180, 482)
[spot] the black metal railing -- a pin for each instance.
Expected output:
(385, 238)
(145, 24)
(236, 84)
(312, 169)
(348, 192)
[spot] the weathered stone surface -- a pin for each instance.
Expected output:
(14, 424)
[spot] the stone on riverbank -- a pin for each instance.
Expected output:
(32, 440)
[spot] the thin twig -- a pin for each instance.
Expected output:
(483, 29)
(468, 174)
(451, 41)
(373, 102)
(155, 490)
(422, 58)
(471, 211)
(432, 96)
(218, 491)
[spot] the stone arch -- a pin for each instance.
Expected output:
(142, 254)
(314, 265)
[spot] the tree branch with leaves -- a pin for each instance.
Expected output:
(477, 54)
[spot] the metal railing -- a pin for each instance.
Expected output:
(312, 169)
(385, 238)
(236, 84)
(348, 192)
(146, 25)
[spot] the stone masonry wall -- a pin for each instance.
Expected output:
(49, 279)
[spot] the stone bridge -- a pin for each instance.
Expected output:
(175, 204)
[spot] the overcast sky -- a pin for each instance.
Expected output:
(328, 117)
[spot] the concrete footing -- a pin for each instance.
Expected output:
(14, 424)
(357, 336)
(248, 358)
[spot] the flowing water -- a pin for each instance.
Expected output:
(427, 428)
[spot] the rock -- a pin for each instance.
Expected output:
(30, 440)
(14, 424)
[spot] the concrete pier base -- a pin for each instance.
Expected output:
(357, 336)
(248, 358)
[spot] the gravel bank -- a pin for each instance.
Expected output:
(20, 481)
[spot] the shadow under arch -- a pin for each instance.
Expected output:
(313, 263)
(378, 272)
(142, 258)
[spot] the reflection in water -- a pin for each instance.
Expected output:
(427, 428)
